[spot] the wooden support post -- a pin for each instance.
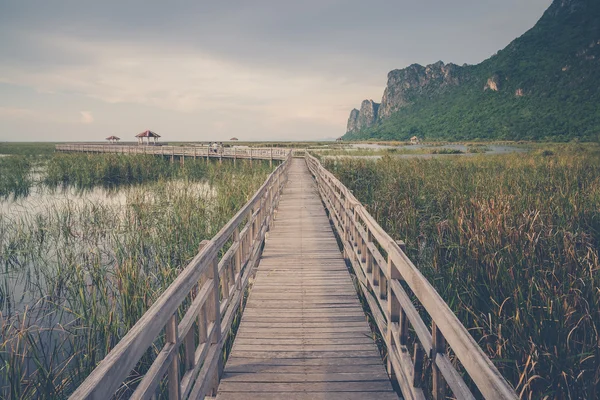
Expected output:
(393, 312)
(418, 354)
(402, 245)
(238, 258)
(438, 347)
(215, 318)
(173, 383)
(202, 319)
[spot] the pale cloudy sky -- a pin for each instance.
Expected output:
(209, 70)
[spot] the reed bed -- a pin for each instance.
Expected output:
(15, 176)
(76, 277)
(511, 244)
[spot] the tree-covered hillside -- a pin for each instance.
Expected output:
(545, 85)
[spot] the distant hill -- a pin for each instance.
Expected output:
(545, 85)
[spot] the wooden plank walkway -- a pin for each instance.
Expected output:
(303, 334)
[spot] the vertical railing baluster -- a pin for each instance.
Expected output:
(438, 347)
(171, 337)
(238, 257)
(202, 317)
(393, 313)
(215, 318)
(418, 354)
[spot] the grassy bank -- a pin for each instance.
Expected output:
(511, 243)
(76, 277)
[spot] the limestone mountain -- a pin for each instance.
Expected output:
(543, 85)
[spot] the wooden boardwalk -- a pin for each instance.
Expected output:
(303, 334)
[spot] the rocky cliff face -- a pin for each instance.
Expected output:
(365, 118)
(402, 87)
(352, 125)
(405, 84)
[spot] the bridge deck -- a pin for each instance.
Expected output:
(303, 333)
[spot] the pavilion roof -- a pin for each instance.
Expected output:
(147, 134)
(113, 138)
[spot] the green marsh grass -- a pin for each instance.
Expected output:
(15, 176)
(76, 277)
(511, 243)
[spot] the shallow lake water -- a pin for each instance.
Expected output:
(41, 198)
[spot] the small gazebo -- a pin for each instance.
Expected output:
(148, 135)
(113, 139)
(233, 139)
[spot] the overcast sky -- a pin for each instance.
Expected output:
(200, 70)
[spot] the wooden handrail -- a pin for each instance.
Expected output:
(208, 292)
(381, 279)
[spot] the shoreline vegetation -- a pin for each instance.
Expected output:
(77, 276)
(511, 244)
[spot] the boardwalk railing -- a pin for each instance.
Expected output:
(208, 293)
(249, 153)
(383, 271)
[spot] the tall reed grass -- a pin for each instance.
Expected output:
(511, 244)
(15, 176)
(75, 278)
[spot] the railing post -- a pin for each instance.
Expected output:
(173, 383)
(438, 347)
(238, 258)
(418, 354)
(393, 312)
(202, 319)
(215, 319)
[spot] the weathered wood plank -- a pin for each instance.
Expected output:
(303, 332)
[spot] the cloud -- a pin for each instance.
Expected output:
(177, 80)
(268, 68)
(15, 112)
(86, 117)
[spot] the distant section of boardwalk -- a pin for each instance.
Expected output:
(303, 334)
(181, 152)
